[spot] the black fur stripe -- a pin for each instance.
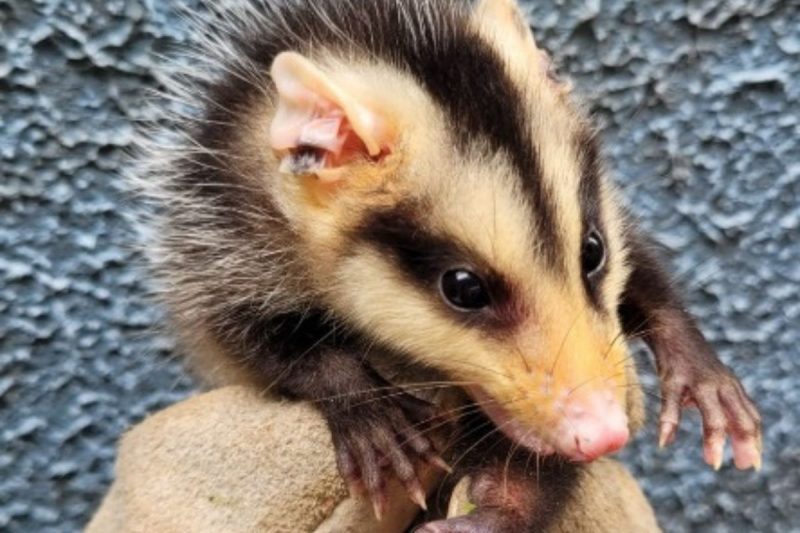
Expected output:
(423, 256)
(469, 80)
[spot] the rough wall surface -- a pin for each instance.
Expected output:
(700, 104)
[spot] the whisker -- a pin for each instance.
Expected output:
(613, 342)
(477, 443)
(481, 426)
(482, 367)
(405, 388)
(626, 359)
(509, 456)
(477, 407)
(531, 453)
(563, 343)
(291, 365)
(521, 356)
(463, 410)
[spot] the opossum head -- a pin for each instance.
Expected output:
(447, 200)
(460, 214)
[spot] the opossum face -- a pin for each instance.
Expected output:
(458, 213)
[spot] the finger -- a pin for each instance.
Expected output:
(402, 466)
(744, 430)
(740, 419)
(412, 404)
(756, 416)
(383, 460)
(714, 424)
(748, 404)
(670, 418)
(414, 439)
(415, 413)
(407, 475)
(344, 460)
(372, 477)
(437, 461)
(348, 469)
(422, 446)
(746, 453)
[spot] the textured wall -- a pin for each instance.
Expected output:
(699, 103)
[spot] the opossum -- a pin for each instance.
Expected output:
(335, 186)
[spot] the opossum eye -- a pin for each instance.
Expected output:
(464, 290)
(593, 254)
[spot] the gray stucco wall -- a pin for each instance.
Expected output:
(699, 103)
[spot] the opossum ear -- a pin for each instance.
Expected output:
(502, 22)
(318, 126)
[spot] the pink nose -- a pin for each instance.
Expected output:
(593, 426)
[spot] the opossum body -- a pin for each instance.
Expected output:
(407, 182)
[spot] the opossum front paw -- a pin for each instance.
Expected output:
(381, 435)
(724, 405)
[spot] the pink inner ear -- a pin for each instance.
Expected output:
(325, 133)
(313, 112)
(324, 127)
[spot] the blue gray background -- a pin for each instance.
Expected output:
(698, 101)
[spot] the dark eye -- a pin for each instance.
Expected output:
(464, 290)
(593, 254)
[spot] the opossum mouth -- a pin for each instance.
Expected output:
(510, 426)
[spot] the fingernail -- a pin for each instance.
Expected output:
(356, 488)
(746, 453)
(378, 510)
(439, 462)
(713, 453)
(664, 434)
(418, 497)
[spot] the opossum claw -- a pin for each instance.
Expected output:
(439, 463)
(725, 407)
(380, 437)
(666, 434)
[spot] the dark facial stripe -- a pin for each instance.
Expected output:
(589, 198)
(468, 79)
(423, 257)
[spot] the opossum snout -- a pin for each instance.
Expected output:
(582, 428)
(593, 425)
